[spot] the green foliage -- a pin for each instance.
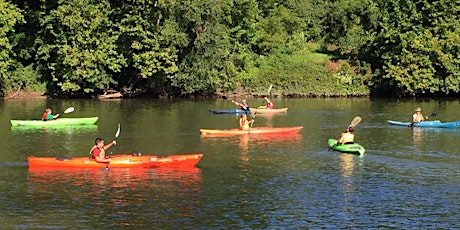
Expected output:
(9, 17)
(77, 50)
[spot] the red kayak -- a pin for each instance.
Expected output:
(117, 161)
(252, 131)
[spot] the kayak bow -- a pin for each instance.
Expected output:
(346, 148)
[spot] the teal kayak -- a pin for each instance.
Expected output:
(429, 124)
(56, 122)
(346, 148)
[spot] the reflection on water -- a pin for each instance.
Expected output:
(112, 195)
(77, 129)
(417, 133)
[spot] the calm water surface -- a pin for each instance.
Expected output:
(408, 178)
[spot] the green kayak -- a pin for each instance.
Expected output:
(346, 148)
(56, 122)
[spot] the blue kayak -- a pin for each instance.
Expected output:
(229, 111)
(431, 124)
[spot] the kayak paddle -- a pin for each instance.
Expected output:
(69, 110)
(431, 115)
(111, 148)
(268, 94)
(116, 137)
(355, 121)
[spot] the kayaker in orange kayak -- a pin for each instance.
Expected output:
(269, 104)
(347, 137)
(244, 123)
(47, 115)
(418, 116)
(98, 150)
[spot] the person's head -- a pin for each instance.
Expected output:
(244, 101)
(243, 115)
(418, 110)
(99, 142)
(350, 129)
(48, 110)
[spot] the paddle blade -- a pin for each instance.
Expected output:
(355, 121)
(118, 132)
(433, 114)
(269, 88)
(69, 110)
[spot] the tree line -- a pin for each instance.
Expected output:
(83, 48)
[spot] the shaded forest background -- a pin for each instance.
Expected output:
(85, 48)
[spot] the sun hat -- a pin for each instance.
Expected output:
(418, 110)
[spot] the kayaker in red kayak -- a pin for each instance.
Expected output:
(47, 115)
(243, 105)
(244, 123)
(269, 104)
(418, 116)
(98, 150)
(347, 137)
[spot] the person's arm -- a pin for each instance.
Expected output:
(110, 145)
(414, 118)
(339, 141)
(55, 116)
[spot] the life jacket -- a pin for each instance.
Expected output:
(269, 105)
(244, 125)
(44, 117)
(91, 152)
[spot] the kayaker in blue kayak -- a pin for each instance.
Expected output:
(418, 116)
(98, 150)
(243, 105)
(47, 115)
(348, 137)
(244, 123)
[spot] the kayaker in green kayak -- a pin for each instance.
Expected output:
(47, 115)
(348, 137)
(98, 150)
(418, 116)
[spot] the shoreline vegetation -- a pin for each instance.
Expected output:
(183, 49)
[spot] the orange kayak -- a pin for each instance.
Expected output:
(252, 131)
(117, 161)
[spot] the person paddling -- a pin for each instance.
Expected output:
(244, 123)
(269, 104)
(243, 105)
(348, 137)
(418, 116)
(47, 115)
(98, 150)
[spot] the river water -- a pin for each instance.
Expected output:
(409, 178)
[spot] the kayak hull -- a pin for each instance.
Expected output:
(269, 111)
(117, 161)
(252, 131)
(427, 124)
(346, 148)
(229, 111)
(56, 122)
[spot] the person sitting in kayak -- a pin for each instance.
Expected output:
(47, 115)
(243, 105)
(418, 116)
(269, 104)
(348, 137)
(98, 150)
(244, 123)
